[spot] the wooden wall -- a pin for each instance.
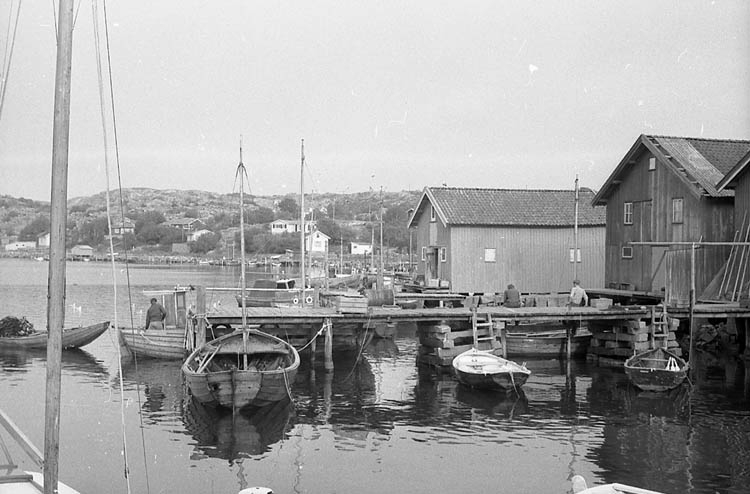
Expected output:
(709, 219)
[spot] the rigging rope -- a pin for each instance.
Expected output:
(8, 56)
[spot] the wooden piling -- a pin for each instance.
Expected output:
(199, 339)
(328, 353)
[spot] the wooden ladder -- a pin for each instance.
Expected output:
(477, 325)
(659, 328)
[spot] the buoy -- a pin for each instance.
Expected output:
(308, 299)
(295, 301)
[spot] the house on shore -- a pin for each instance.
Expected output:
(82, 252)
(665, 190)
(479, 240)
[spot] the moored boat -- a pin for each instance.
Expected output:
(71, 337)
(484, 370)
(245, 368)
(551, 343)
(274, 293)
(657, 369)
(580, 487)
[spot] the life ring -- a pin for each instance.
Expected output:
(308, 300)
(295, 301)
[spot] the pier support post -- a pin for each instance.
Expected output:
(328, 347)
(313, 345)
(200, 310)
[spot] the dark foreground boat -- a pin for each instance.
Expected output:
(244, 368)
(484, 370)
(71, 337)
(656, 370)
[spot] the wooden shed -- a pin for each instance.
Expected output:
(665, 190)
(479, 240)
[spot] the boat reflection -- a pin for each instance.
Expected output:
(74, 360)
(493, 403)
(219, 433)
(161, 388)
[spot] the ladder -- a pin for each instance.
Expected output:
(659, 328)
(478, 324)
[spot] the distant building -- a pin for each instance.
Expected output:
(665, 190)
(290, 226)
(122, 227)
(42, 240)
(186, 224)
(319, 242)
(358, 248)
(82, 252)
(15, 246)
(480, 240)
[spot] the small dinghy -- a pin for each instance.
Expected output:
(656, 370)
(484, 370)
(244, 368)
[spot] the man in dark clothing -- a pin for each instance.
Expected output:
(155, 315)
(511, 297)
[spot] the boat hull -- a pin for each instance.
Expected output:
(71, 338)
(483, 370)
(546, 344)
(216, 373)
(651, 370)
(167, 344)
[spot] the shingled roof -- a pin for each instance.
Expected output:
(701, 163)
(510, 207)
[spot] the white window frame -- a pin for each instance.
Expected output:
(490, 254)
(424, 253)
(651, 164)
(433, 216)
(627, 213)
(627, 252)
(574, 257)
(678, 211)
(443, 255)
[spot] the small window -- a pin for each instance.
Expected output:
(489, 255)
(443, 256)
(627, 252)
(627, 213)
(574, 255)
(424, 253)
(677, 210)
(651, 164)
(432, 213)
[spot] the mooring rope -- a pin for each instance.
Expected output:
(326, 324)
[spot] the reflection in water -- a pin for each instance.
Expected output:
(219, 433)
(74, 360)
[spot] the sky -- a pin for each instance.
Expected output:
(396, 95)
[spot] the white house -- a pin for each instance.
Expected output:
(13, 246)
(82, 252)
(42, 240)
(289, 226)
(361, 249)
(319, 242)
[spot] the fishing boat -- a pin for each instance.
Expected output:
(484, 370)
(273, 293)
(657, 369)
(245, 368)
(548, 343)
(71, 338)
(580, 487)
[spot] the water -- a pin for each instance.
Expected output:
(376, 424)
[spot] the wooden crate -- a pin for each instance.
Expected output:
(350, 305)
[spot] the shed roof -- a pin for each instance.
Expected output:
(510, 207)
(730, 179)
(700, 163)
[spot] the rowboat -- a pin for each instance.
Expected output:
(244, 368)
(552, 343)
(580, 487)
(656, 370)
(71, 338)
(484, 370)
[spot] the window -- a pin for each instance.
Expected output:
(627, 213)
(651, 164)
(424, 253)
(432, 213)
(627, 252)
(443, 257)
(677, 210)
(489, 255)
(574, 255)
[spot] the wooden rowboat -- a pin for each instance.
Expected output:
(484, 370)
(71, 338)
(170, 343)
(244, 368)
(552, 343)
(580, 487)
(656, 370)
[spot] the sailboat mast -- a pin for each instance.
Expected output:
(302, 222)
(241, 172)
(575, 234)
(58, 220)
(380, 271)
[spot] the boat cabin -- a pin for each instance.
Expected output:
(174, 302)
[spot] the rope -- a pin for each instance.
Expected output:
(8, 57)
(326, 324)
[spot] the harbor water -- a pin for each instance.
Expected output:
(377, 423)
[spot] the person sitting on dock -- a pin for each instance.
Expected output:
(578, 296)
(511, 297)
(155, 315)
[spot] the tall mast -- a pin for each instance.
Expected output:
(575, 234)
(242, 173)
(302, 221)
(380, 271)
(58, 219)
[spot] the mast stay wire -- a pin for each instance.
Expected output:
(8, 55)
(101, 82)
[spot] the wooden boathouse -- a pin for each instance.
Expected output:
(663, 194)
(474, 240)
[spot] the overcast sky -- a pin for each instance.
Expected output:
(391, 94)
